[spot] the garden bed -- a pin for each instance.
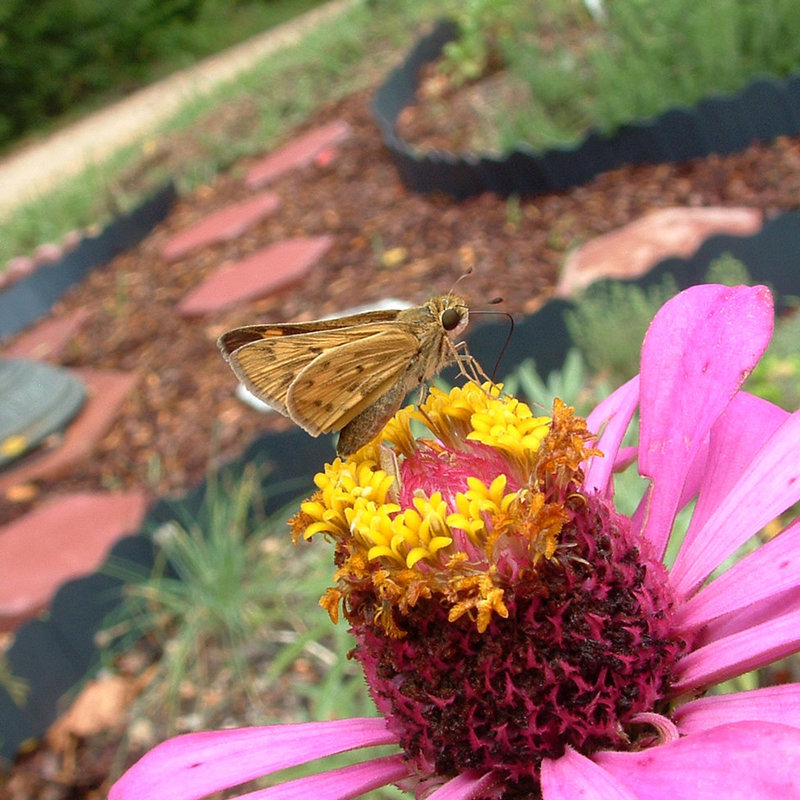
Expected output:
(185, 419)
(422, 141)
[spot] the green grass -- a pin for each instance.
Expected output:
(608, 326)
(776, 377)
(573, 384)
(609, 322)
(232, 604)
(244, 117)
(232, 610)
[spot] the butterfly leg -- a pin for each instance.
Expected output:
(468, 365)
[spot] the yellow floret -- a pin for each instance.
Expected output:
(510, 428)
(455, 550)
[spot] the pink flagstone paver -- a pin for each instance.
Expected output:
(221, 226)
(299, 152)
(325, 156)
(16, 268)
(257, 275)
(48, 253)
(49, 338)
(106, 392)
(65, 538)
(635, 248)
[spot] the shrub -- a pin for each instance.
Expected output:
(54, 53)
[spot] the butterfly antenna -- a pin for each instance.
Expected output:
(467, 271)
(505, 344)
(503, 349)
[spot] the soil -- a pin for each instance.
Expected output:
(183, 418)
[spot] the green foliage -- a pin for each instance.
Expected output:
(637, 59)
(17, 688)
(777, 376)
(483, 25)
(741, 683)
(232, 605)
(609, 323)
(728, 271)
(261, 106)
(571, 383)
(56, 54)
(610, 320)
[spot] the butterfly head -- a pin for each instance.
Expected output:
(452, 313)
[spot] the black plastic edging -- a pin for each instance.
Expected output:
(762, 111)
(772, 257)
(33, 296)
(56, 653)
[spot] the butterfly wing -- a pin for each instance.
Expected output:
(338, 385)
(238, 337)
(268, 366)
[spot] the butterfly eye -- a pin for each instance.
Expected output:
(450, 319)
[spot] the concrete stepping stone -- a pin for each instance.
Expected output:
(221, 226)
(106, 391)
(47, 340)
(257, 275)
(65, 538)
(635, 248)
(38, 400)
(298, 152)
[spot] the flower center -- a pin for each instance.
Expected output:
(584, 648)
(501, 614)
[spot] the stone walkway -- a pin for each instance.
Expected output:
(41, 166)
(41, 550)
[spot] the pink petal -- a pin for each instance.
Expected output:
(738, 653)
(736, 437)
(696, 474)
(625, 457)
(467, 786)
(698, 351)
(692, 482)
(575, 777)
(610, 419)
(767, 572)
(735, 762)
(779, 704)
(769, 485)
(751, 616)
(337, 784)
(194, 765)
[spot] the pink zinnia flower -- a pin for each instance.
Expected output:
(520, 636)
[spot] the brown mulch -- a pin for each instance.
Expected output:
(183, 417)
